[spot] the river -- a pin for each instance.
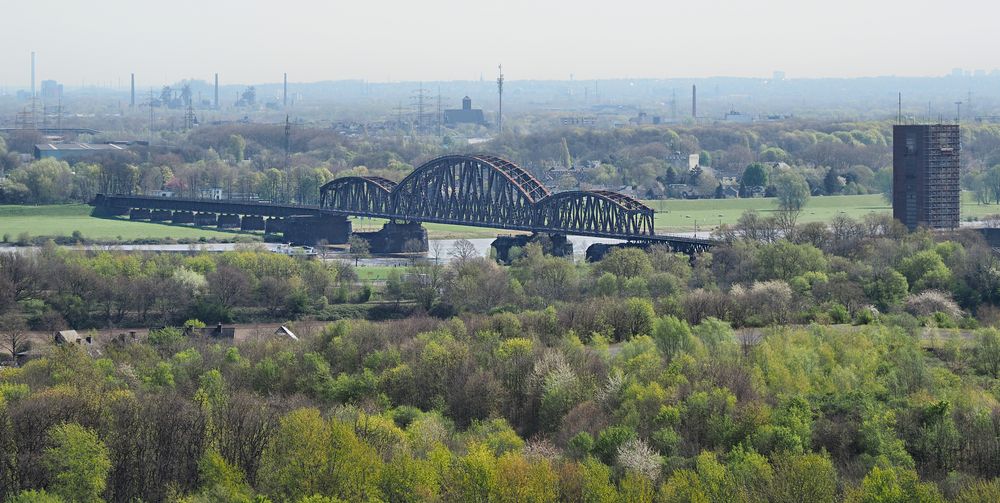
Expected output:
(440, 249)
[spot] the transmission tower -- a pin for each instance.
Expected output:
(418, 98)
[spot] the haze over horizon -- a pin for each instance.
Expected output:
(255, 42)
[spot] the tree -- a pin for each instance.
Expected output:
(77, 462)
(755, 175)
(462, 251)
(567, 159)
(805, 477)
(295, 461)
(237, 147)
(359, 248)
(887, 288)
(792, 191)
(13, 335)
(39, 496)
(626, 263)
(987, 351)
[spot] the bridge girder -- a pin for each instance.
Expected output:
(491, 191)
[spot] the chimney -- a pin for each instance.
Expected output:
(694, 101)
(217, 91)
(284, 94)
(132, 103)
(32, 74)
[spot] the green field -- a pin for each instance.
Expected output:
(62, 220)
(672, 215)
(678, 215)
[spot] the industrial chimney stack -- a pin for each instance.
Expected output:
(217, 91)
(284, 94)
(131, 103)
(32, 74)
(694, 101)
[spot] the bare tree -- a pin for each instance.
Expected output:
(462, 251)
(14, 335)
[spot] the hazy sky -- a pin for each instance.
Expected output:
(252, 41)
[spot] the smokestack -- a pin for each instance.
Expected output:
(32, 74)
(217, 91)
(132, 103)
(284, 95)
(694, 101)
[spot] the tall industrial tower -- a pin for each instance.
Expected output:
(925, 175)
(500, 94)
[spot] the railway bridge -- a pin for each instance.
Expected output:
(472, 190)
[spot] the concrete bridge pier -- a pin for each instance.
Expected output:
(205, 219)
(397, 237)
(311, 229)
(597, 251)
(106, 211)
(226, 221)
(252, 223)
(159, 215)
(139, 214)
(552, 244)
(274, 225)
(182, 217)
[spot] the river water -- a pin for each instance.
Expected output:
(440, 249)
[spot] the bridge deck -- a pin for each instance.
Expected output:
(232, 206)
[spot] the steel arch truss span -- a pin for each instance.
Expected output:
(488, 191)
(358, 194)
(469, 189)
(594, 212)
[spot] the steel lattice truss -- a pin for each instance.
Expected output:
(488, 191)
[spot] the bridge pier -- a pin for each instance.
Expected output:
(182, 217)
(105, 211)
(552, 244)
(205, 219)
(274, 225)
(252, 223)
(311, 229)
(597, 251)
(159, 216)
(139, 214)
(227, 221)
(397, 237)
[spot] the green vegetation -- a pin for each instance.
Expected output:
(845, 363)
(674, 215)
(63, 220)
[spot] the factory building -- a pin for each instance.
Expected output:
(467, 114)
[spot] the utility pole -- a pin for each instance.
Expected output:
(438, 121)
(500, 94)
(150, 116)
(288, 140)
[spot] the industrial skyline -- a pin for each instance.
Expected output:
(379, 42)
